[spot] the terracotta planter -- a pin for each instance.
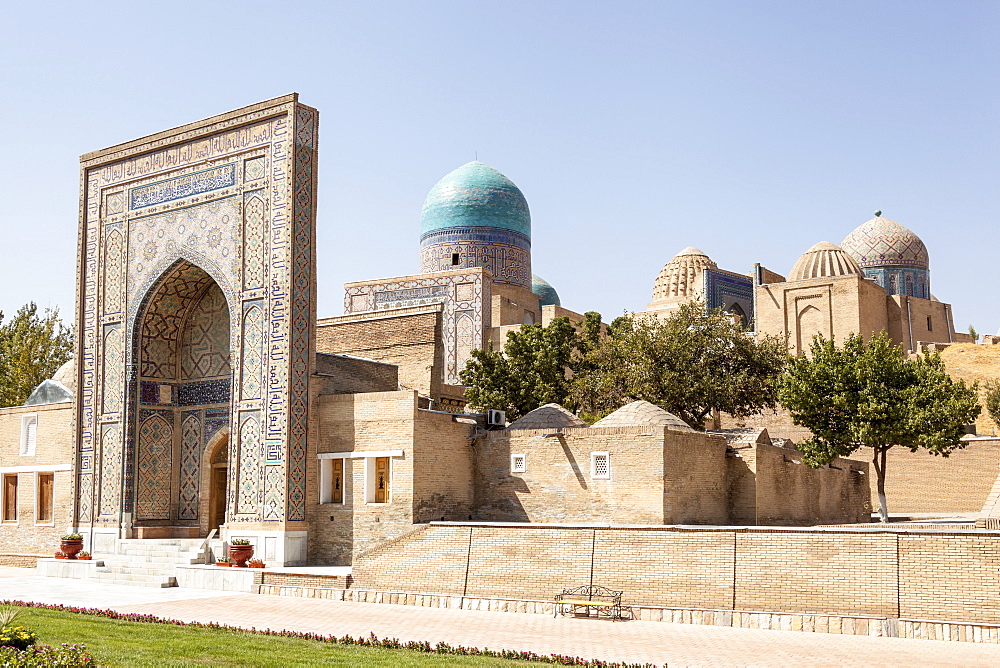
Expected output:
(84, 558)
(240, 554)
(60, 555)
(223, 563)
(255, 565)
(71, 547)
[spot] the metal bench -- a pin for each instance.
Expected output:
(603, 601)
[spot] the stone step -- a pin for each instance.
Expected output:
(133, 570)
(136, 579)
(183, 559)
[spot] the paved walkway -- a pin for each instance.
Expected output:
(632, 641)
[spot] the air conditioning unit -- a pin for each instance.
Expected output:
(496, 419)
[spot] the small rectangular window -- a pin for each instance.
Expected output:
(518, 464)
(337, 481)
(29, 430)
(600, 465)
(930, 327)
(10, 497)
(381, 480)
(454, 259)
(43, 498)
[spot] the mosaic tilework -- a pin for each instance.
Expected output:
(205, 343)
(901, 280)
(191, 447)
(731, 293)
(164, 317)
(179, 215)
(207, 235)
(466, 293)
(881, 242)
(274, 492)
(253, 352)
(303, 314)
(508, 263)
(113, 272)
(201, 392)
(249, 467)
(114, 369)
(154, 468)
(111, 461)
(253, 241)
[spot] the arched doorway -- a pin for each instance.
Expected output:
(218, 484)
(182, 398)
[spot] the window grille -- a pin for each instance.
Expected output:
(600, 465)
(29, 428)
(518, 464)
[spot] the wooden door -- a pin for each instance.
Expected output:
(10, 497)
(217, 496)
(381, 480)
(45, 490)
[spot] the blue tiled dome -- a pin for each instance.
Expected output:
(546, 294)
(475, 195)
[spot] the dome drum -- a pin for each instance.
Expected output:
(891, 255)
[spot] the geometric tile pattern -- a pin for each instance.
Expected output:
(253, 242)
(732, 294)
(154, 469)
(881, 242)
(253, 169)
(111, 460)
(164, 316)
(191, 447)
(253, 352)
(206, 337)
(114, 369)
(113, 265)
(249, 463)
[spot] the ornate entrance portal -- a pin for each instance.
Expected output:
(196, 318)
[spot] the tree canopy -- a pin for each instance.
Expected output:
(689, 363)
(535, 367)
(32, 347)
(870, 394)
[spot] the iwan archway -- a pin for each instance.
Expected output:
(182, 399)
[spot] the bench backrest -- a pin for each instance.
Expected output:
(591, 592)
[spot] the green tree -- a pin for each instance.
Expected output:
(870, 394)
(993, 401)
(973, 333)
(535, 368)
(689, 363)
(32, 348)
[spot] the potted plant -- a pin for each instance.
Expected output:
(84, 556)
(240, 550)
(223, 561)
(60, 555)
(71, 544)
(255, 563)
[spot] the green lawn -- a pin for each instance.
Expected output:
(120, 643)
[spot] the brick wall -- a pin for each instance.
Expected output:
(54, 451)
(339, 374)
(557, 485)
(694, 478)
(408, 338)
(790, 492)
(442, 462)
(942, 575)
(918, 482)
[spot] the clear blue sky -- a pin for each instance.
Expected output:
(751, 130)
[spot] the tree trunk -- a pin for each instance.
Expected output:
(879, 461)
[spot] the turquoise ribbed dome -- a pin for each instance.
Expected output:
(475, 195)
(547, 295)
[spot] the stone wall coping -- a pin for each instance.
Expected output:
(936, 530)
(413, 277)
(40, 408)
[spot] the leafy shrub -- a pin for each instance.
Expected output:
(72, 536)
(64, 656)
(18, 637)
(239, 541)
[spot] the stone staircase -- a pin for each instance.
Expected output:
(150, 562)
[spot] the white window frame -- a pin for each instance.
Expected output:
(38, 496)
(369, 456)
(326, 481)
(514, 467)
(29, 427)
(607, 465)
